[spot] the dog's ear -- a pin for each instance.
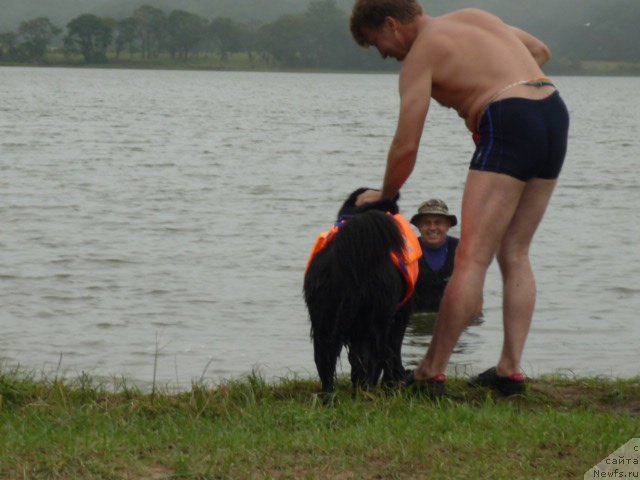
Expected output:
(351, 201)
(389, 205)
(384, 205)
(349, 205)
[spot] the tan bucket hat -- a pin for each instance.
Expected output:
(434, 206)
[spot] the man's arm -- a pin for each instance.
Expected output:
(538, 49)
(415, 94)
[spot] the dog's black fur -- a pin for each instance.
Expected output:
(353, 292)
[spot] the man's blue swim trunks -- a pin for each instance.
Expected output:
(523, 138)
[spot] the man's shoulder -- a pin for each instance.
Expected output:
(469, 14)
(442, 31)
(459, 19)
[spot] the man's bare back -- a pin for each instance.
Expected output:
(473, 56)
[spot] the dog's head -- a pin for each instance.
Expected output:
(349, 206)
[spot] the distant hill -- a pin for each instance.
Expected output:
(60, 12)
(573, 29)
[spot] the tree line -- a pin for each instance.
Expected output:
(316, 38)
(319, 37)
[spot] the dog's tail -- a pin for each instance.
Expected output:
(372, 285)
(362, 251)
(365, 241)
(357, 268)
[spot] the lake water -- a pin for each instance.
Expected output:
(165, 217)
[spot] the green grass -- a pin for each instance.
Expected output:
(80, 429)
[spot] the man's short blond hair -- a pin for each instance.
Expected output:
(371, 14)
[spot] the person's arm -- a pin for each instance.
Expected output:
(539, 51)
(415, 94)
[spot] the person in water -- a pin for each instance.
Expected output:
(433, 221)
(491, 74)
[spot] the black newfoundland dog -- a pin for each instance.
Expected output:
(356, 288)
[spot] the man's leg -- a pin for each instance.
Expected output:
(519, 283)
(489, 203)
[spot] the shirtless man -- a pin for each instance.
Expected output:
(490, 73)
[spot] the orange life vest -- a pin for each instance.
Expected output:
(407, 264)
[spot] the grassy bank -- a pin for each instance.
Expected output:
(234, 62)
(244, 62)
(78, 429)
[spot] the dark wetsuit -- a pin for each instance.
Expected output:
(523, 138)
(431, 283)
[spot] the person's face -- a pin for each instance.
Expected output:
(433, 229)
(386, 39)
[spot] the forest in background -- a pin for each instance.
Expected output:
(291, 33)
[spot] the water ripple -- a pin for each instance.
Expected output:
(175, 211)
